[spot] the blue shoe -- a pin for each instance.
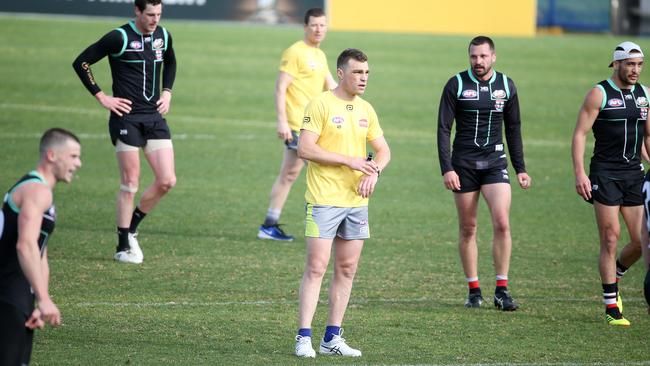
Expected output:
(273, 232)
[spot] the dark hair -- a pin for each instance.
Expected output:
(479, 40)
(55, 137)
(314, 12)
(349, 53)
(142, 4)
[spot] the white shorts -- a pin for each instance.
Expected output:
(349, 223)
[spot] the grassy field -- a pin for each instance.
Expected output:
(210, 293)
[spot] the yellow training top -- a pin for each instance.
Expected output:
(308, 67)
(343, 127)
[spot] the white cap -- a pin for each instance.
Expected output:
(626, 50)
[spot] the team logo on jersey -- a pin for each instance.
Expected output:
(644, 113)
(363, 122)
(338, 121)
(136, 45)
(158, 43)
(349, 107)
(498, 105)
(147, 39)
(306, 120)
(485, 88)
(615, 102)
(628, 97)
(312, 64)
(642, 101)
(469, 93)
(499, 94)
(159, 55)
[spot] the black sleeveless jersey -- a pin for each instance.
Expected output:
(14, 287)
(136, 61)
(619, 129)
(483, 110)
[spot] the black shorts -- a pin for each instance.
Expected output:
(135, 130)
(293, 144)
(471, 180)
(616, 192)
(15, 338)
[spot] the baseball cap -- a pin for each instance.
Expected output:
(626, 50)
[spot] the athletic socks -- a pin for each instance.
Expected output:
(502, 283)
(135, 220)
(304, 332)
(610, 291)
(122, 239)
(330, 332)
(473, 284)
(620, 270)
(272, 217)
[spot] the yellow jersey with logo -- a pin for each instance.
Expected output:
(343, 127)
(308, 67)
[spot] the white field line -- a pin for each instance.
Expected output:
(401, 133)
(291, 302)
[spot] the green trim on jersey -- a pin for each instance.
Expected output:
(471, 76)
(460, 85)
(135, 29)
(165, 36)
(124, 37)
(602, 104)
(311, 227)
(613, 85)
(38, 178)
(643, 90)
(505, 84)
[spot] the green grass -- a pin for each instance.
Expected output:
(210, 293)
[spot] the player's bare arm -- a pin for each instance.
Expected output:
(34, 199)
(281, 85)
(309, 150)
(586, 118)
(382, 151)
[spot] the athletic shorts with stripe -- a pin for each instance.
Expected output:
(349, 223)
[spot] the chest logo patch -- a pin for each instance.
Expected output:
(158, 43)
(469, 93)
(499, 94)
(349, 107)
(312, 64)
(485, 89)
(642, 101)
(628, 97)
(644, 112)
(363, 122)
(136, 45)
(498, 105)
(337, 120)
(615, 102)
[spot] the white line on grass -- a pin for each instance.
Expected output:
(290, 302)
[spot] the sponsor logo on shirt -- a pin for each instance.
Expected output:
(615, 102)
(147, 39)
(159, 55)
(312, 64)
(594, 187)
(469, 93)
(136, 45)
(349, 107)
(485, 89)
(124, 132)
(628, 96)
(499, 94)
(157, 43)
(498, 147)
(306, 120)
(337, 120)
(642, 101)
(363, 122)
(644, 113)
(498, 105)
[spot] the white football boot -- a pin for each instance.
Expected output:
(338, 347)
(304, 348)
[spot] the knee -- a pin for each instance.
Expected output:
(290, 176)
(166, 183)
(346, 270)
(468, 230)
(315, 270)
(502, 227)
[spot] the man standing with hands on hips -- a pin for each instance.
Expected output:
(340, 179)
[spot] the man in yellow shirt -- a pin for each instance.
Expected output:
(340, 178)
(303, 75)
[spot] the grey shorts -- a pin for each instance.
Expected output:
(293, 144)
(349, 223)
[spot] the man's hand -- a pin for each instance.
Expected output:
(367, 185)
(284, 131)
(49, 312)
(583, 186)
(164, 102)
(119, 106)
(451, 180)
(524, 180)
(367, 167)
(35, 320)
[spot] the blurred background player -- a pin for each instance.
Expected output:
(336, 128)
(303, 75)
(483, 102)
(26, 223)
(616, 110)
(137, 108)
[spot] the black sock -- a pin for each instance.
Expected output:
(135, 219)
(122, 239)
(476, 290)
(501, 289)
(646, 287)
(620, 270)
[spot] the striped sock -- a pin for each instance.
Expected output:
(502, 283)
(609, 298)
(620, 270)
(473, 284)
